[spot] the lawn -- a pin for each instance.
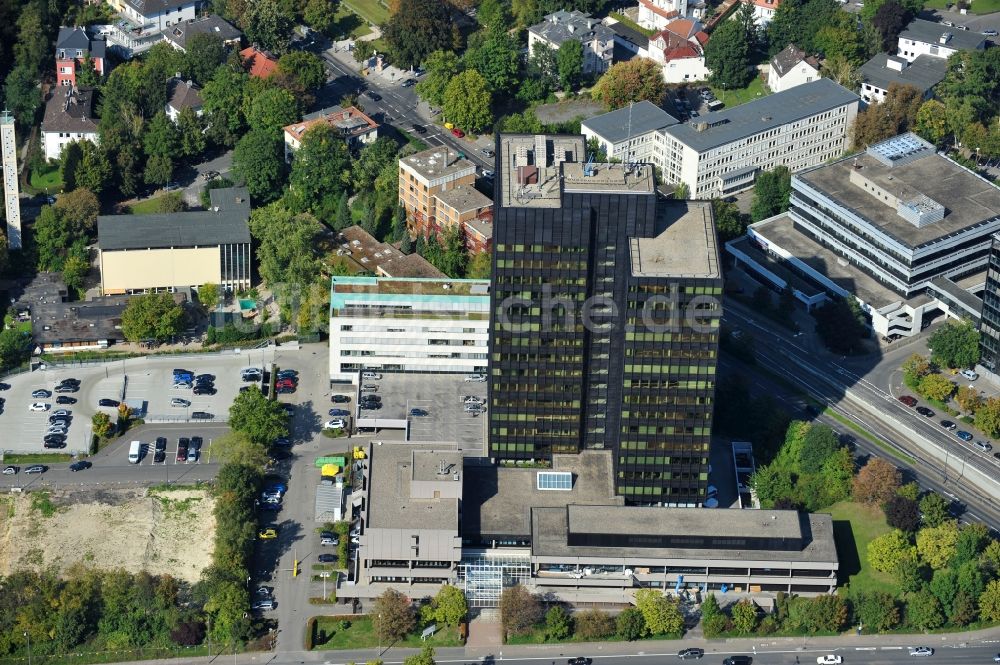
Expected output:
(373, 11)
(854, 526)
(349, 23)
(147, 207)
(985, 6)
(733, 98)
(629, 23)
(47, 180)
(36, 458)
(361, 635)
(937, 4)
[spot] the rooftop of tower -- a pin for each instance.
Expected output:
(685, 245)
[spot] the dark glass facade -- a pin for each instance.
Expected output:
(989, 325)
(573, 366)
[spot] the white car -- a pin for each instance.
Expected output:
(475, 378)
(62, 413)
(829, 659)
(336, 423)
(921, 651)
(969, 374)
(39, 406)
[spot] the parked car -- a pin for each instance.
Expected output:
(38, 406)
(10, 470)
(990, 32)
(327, 558)
(267, 534)
(579, 660)
(692, 653)
(192, 455)
(481, 378)
(488, 152)
(4, 386)
(908, 400)
(63, 399)
(62, 413)
(339, 412)
(180, 402)
(982, 446)
(921, 651)
(80, 465)
(204, 390)
(969, 374)
(336, 423)
(325, 541)
(409, 82)
(67, 388)
(738, 660)
(369, 388)
(418, 413)
(36, 468)
(924, 411)
(963, 435)
(829, 659)
(457, 133)
(371, 406)
(182, 450)
(264, 605)
(40, 394)
(201, 415)
(108, 402)
(374, 96)
(948, 425)
(159, 456)
(340, 399)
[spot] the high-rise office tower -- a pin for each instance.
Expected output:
(989, 321)
(604, 319)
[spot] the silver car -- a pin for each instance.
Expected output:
(178, 402)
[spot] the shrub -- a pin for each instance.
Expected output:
(594, 625)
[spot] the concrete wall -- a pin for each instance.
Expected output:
(139, 269)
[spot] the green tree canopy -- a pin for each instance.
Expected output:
(152, 316)
(450, 606)
(630, 81)
(268, 24)
(203, 53)
(260, 162)
(417, 29)
(441, 68)
(496, 58)
(936, 545)
(318, 172)
(955, 345)
(392, 615)
(261, 420)
(727, 55)
(569, 60)
(887, 550)
(661, 613)
(771, 192)
(286, 252)
(271, 109)
(467, 101)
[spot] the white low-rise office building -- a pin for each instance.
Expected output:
(408, 325)
(922, 37)
(630, 134)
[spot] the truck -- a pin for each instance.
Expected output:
(135, 452)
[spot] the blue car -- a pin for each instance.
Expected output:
(339, 412)
(963, 435)
(276, 487)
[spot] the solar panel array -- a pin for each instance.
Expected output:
(555, 480)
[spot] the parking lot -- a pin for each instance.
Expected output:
(436, 400)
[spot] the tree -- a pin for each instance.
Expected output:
(342, 216)
(932, 121)
(876, 482)
(493, 13)
(972, 540)
(101, 425)
(321, 15)
(272, 109)
(630, 624)
(317, 176)
(594, 625)
(772, 484)
(441, 68)
(419, 28)
(392, 616)
(259, 161)
(79, 209)
(727, 55)
(480, 266)
(630, 81)
(543, 68)
(519, 609)
(895, 115)
(450, 606)
(203, 53)
(944, 586)
(569, 59)
(236, 447)
(902, 513)
(798, 22)
(191, 130)
(987, 417)
(287, 245)
(497, 58)
(371, 161)
(934, 509)
(660, 613)
(910, 574)
(208, 296)
(915, 368)
(152, 316)
(729, 222)
(819, 444)
(890, 19)
(467, 101)
(161, 137)
(887, 550)
(76, 267)
(936, 545)
(558, 623)
(955, 345)
(69, 162)
(266, 23)
(923, 611)
(304, 68)
(95, 169)
(15, 348)
(936, 387)
(425, 657)
(836, 477)
(877, 610)
(838, 68)
(223, 104)
(771, 192)
(744, 615)
(989, 602)
(22, 95)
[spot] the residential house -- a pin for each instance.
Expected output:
(182, 95)
(598, 40)
(178, 34)
(764, 11)
(73, 47)
(679, 49)
(791, 67)
(425, 174)
(471, 210)
(357, 128)
(655, 14)
(923, 73)
(630, 134)
(922, 37)
(143, 22)
(69, 116)
(258, 63)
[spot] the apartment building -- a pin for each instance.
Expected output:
(471, 210)
(598, 40)
(179, 34)
(408, 325)
(143, 22)
(583, 258)
(69, 116)
(922, 37)
(655, 14)
(722, 152)
(903, 229)
(356, 128)
(563, 534)
(791, 67)
(170, 251)
(73, 47)
(679, 49)
(764, 11)
(630, 134)
(422, 177)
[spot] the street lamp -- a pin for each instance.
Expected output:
(28, 637)
(378, 629)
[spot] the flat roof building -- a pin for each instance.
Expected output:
(895, 220)
(164, 252)
(923, 37)
(433, 184)
(989, 324)
(630, 133)
(578, 346)
(381, 258)
(883, 71)
(407, 325)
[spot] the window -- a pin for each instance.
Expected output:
(555, 480)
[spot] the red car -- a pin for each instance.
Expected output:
(457, 133)
(285, 383)
(908, 400)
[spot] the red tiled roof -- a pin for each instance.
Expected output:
(350, 121)
(257, 62)
(658, 10)
(702, 37)
(766, 4)
(680, 53)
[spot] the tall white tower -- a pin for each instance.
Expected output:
(11, 191)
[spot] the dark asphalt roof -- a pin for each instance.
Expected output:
(781, 108)
(202, 228)
(614, 126)
(930, 32)
(210, 25)
(69, 110)
(923, 73)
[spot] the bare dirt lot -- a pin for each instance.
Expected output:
(156, 531)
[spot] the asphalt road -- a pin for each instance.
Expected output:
(778, 352)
